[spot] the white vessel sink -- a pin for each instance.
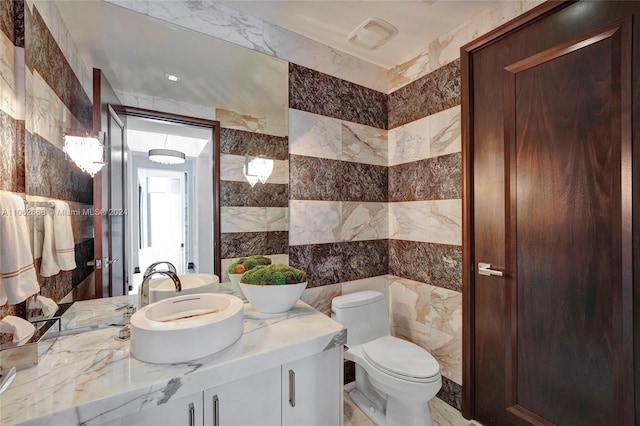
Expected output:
(186, 327)
(164, 288)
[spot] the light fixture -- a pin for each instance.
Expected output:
(258, 169)
(172, 77)
(165, 155)
(86, 151)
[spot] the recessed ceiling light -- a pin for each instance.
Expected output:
(372, 33)
(172, 77)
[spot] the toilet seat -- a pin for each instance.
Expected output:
(401, 359)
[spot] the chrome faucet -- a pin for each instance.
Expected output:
(152, 267)
(143, 296)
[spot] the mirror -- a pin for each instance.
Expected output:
(244, 90)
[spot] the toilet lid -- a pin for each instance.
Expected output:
(399, 357)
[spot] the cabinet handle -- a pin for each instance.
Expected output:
(216, 411)
(192, 415)
(292, 388)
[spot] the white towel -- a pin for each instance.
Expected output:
(58, 248)
(63, 235)
(17, 274)
(48, 306)
(49, 266)
(22, 330)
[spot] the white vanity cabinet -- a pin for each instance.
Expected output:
(305, 392)
(253, 400)
(312, 390)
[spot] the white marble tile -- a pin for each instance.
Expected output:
(301, 50)
(314, 222)
(364, 221)
(7, 76)
(231, 170)
(445, 132)
(45, 114)
(238, 121)
(431, 317)
(243, 219)
(156, 103)
(409, 71)
(314, 135)
(320, 297)
(278, 259)
(364, 144)
(438, 221)
(214, 19)
(410, 142)
(277, 218)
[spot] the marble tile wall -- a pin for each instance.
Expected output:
(253, 220)
(338, 215)
(40, 95)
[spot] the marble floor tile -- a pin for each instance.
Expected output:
(443, 414)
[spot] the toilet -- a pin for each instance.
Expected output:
(395, 379)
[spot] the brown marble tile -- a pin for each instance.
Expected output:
(239, 142)
(339, 262)
(239, 244)
(438, 178)
(312, 178)
(436, 264)
(11, 155)
(20, 160)
(435, 92)
(55, 287)
(51, 174)
(451, 393)
(6, 310)
(84, 254)
(18, 19)
(322, 94)
(241, 194)
(7, 25)
(364, 182)
(42, 54)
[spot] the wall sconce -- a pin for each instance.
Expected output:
(258, 169)
(86, 151)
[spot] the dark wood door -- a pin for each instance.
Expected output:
(549, 201)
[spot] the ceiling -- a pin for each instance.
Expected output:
(144, 134)
(135, 52)
(331, 22)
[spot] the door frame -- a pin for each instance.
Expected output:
(215, 158)
(468, 255)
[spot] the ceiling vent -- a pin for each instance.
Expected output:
(372, 33)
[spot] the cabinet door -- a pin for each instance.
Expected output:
(185, 411)
(252, 401)
(312, 390)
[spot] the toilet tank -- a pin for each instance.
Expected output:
(364, 314)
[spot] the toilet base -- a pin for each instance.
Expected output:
(398, 413)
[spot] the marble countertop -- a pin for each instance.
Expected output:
(90, 378)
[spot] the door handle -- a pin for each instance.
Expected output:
(216, 411)
(485, 269)
(192, 415)
(110, 262)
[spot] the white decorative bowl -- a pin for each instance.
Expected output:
(273, 299)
